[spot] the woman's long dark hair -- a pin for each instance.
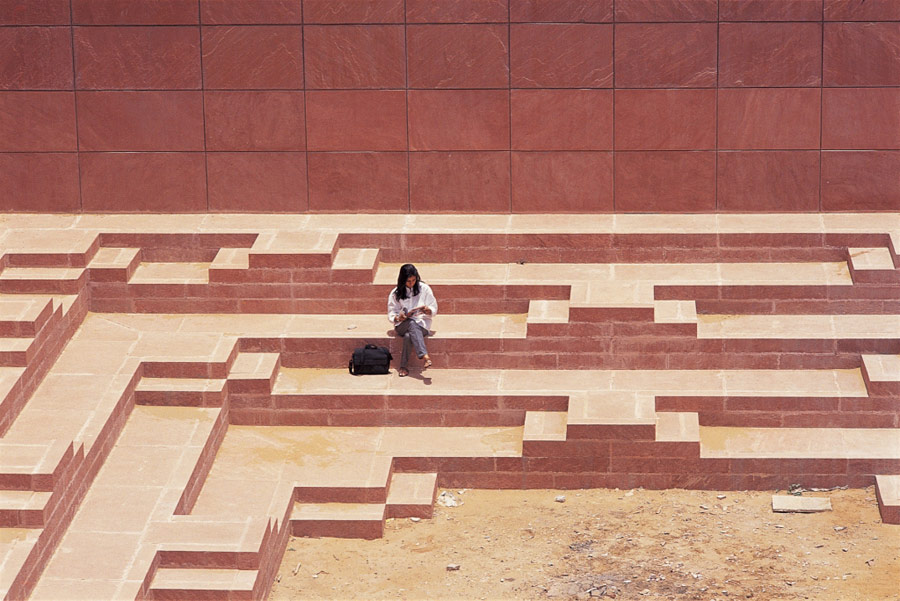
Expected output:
(406, 272)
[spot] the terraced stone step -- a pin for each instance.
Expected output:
(22, 508)
(411, 495)
(24, 317)
(339, 520)
(114, 264)
(887, 489)
(188, 392)
(178, 584)
(42, 280)
(800, 443)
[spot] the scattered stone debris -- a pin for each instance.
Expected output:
(704, 507)
(452, 567)
(795, 489)
(795, 504)
(560, 499)
(446, 499)
(720, 497)
(839, 528)
(415, 519)
(296, 569)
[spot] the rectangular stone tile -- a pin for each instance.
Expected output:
(120, 57)
(253, 57)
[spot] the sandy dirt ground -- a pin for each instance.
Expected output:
(610, 544)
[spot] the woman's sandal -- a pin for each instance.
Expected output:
(402, 372)
(427, 364)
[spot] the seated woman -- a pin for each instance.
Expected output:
(411, 305)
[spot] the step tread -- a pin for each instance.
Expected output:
(23, 499)
(678, 427)
(611, 408)
(248, 366)
(337, 511)
(231, 258)
(208, 579)
(882, 368)
(171, 273)
(113, 258)
(180, 385)
(15, 344)
(545, 425)
(777, 382)
(866, 259)
(804, 327)
(42, 273)
(889, 489)
(412, 489)
(355, 258)
(800, 443)
(548, 311)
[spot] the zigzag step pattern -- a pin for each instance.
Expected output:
(174, 405)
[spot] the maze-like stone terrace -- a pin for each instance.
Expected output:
(174, 401)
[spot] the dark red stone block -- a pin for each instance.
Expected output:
(561, 119)
(560, 11)
(562, 182)
(665, 181)
(266, 182)
(129, 12)
(768, 181)
(861, 181)
(355, 56)
(255, 120)
(160, 182)
(26, 12)
(769, 118)
(356, 120)
(861, 118)
(458, 119)
(770, 54)
(140, 120)
(358, 182)
(137, 58)
(470, 182)
(258, 12)
(353, 11)
(35, 58)
(40, 182)
(37, 121)
(457, 11)
(458, 56)
(248, 57)
(769, 10)
(862, 10)
(561, 56)
(861, 54)
(648, 11)
(665, 119)
(669, 55)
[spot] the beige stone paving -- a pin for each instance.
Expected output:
(871, 258)
(171, 273)
(800, 443)
(882, 368)
(154, 457)
(798, 326)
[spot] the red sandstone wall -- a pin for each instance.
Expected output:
(450, 105)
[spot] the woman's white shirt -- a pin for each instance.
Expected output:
(425, 298)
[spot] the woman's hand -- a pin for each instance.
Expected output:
(426, 310)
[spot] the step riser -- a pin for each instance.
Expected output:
(364, 529)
